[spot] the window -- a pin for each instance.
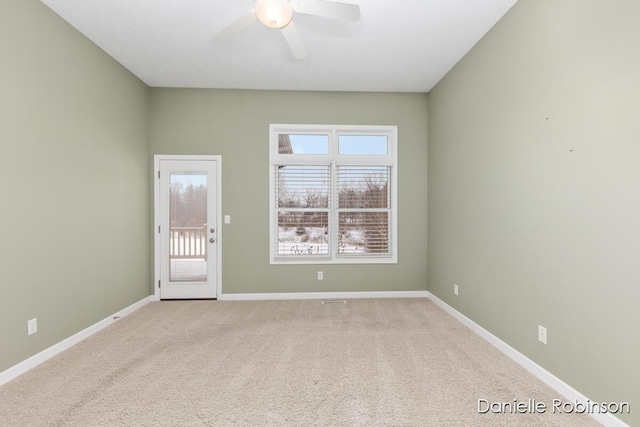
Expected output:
(332, 194)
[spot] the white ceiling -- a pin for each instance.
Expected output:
(396, 46)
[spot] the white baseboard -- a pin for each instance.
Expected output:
(323, 295)
(55, 349)
(606, 419)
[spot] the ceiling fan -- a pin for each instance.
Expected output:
(278, 14)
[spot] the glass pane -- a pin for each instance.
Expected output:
(188, 227)
(303, 144)
(362, 187)
(363, 233)
(363, 145)
(303, 233)
(302, 186)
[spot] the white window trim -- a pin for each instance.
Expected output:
(391, 159)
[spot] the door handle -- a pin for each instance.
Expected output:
(212, 240)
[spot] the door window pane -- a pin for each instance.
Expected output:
(187, 227)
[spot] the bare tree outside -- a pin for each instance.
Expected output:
(188, 205)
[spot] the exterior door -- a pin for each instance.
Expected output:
(187, 231)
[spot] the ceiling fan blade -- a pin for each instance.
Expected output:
(328, 9)
(294, 41)
(238, 26)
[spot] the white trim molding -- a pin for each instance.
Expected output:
(65, 344)
(323, 295)
(606, 419)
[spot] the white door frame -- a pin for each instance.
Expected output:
(156, 217)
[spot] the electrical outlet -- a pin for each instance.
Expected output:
(455, 289)
(320, 275)
(542, 334)
(32, 326)
(227, 219)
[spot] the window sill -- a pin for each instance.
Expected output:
(383, 259)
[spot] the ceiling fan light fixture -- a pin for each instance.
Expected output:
(273, 13)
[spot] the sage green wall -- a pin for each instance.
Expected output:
(74, 182)
(235, 124)
(534, 190)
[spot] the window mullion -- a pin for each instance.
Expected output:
(333, 206)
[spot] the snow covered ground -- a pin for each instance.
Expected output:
(314, 241)
(188, 270)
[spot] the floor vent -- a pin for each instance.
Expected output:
(334, 301)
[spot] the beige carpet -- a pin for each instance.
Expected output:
(394, 362)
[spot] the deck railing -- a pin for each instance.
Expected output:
(188, 242)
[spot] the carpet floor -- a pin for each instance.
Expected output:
(370, 362)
